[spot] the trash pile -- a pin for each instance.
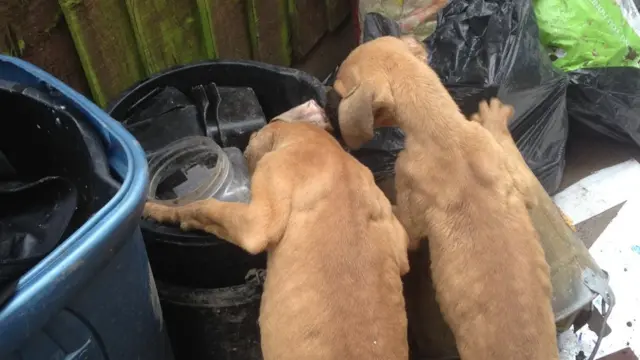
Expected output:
(180, 132)
(177, 133)
(193, 123)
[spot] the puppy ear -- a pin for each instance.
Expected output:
(355, 116)
(357, 111)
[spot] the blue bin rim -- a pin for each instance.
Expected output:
(33, 302)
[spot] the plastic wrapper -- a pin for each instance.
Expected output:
(597, 42)
(408, 14)
(587, 34)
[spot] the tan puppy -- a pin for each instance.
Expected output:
(453, 185)
(336, 251)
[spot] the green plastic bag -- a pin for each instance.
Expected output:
(583, 34)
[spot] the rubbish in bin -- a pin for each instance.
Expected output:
(227, 114)
(33, 218)
(196, 168)
(239, 114)
(166, 115)
(477, 48)
(597, 43)
(231, 113)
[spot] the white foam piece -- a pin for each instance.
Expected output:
(600, 191)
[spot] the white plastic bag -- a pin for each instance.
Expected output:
(415, 17)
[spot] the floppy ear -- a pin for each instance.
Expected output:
(355, 116)
(357, 111)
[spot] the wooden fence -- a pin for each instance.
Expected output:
(101, 47)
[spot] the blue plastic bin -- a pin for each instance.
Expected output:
(94, 296)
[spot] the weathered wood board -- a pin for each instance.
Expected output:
(337, 12)
(36, 31)
(269, 31)
(105, 44)
(103, 47)
(168, 32)
(226, 23)
(308, 25)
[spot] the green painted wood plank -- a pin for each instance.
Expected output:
(106, 45)
(308, 25)
(36, 31)
(168, 32)
(269, 31)
(225, 23)
(337, 12)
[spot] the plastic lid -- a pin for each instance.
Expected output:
(187, 170)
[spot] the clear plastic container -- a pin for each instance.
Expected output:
(196, 168)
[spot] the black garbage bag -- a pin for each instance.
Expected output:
(607, 100)
(481, 48)
(33, 218)
(53, 177)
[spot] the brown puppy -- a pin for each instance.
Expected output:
(453, 185)
(336, 251)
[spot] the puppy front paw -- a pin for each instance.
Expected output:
(160, 213)
(494, 116)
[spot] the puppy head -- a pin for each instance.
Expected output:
(364, 82)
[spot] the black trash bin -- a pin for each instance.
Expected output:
(210, 290)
